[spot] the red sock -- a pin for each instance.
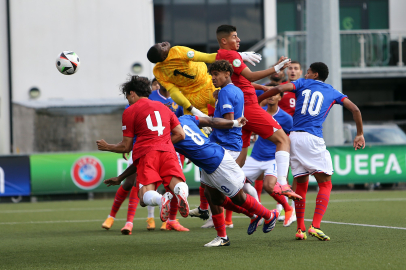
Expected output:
(229, 216)
(173, 208)
(121, 194)
(253, 206)
(282, 200)
(132, 204)
(323, 196)
(229, 205)
(300, 206)
(204, 205)
(259, 184)
(219, 224)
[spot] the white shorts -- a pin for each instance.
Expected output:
(254, 168)
(227, 178)
(233, 154)
(308, 155)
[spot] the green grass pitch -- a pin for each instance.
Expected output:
(68, 235)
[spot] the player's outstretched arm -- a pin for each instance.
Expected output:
(177, 134)
(359, 141)
(276, 90)
(251, 57)
(125, 146)
(117, 180)
(204, 57)
(221, 123)
(258, 75)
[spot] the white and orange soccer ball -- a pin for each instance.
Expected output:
(67, 62)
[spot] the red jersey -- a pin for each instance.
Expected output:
(151, 122)
(238, 80)
(288, 102)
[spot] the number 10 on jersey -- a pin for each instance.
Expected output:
(314, 108)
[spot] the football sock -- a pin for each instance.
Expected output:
(323, 196)
(282, 181)
(259, 184)
(204, 205)
(132, 204)
(229, 205)
(219, 225)
(249, 189)
(282, 165)
(229, 216)
(153, 198)
(151, 210)
(173, 209)
(282, 200)
(254, 207)
(293, 204)
(301, 189)
(181, 186)
(121, 194)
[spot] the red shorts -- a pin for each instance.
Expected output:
(259, 122)
(158, 167)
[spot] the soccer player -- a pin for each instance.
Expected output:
(183, 72)
(262, 159)
(259, 121)
(314, 98)
(288, 101)
(222, 176)
(155, 159)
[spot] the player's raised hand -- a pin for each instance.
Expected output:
(251, 57)
(112, 181)
(242, 121)
(102, 145)
(126, 156)
(359, 142)
(283, 63)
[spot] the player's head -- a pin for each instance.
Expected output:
(221, 72)
(294, 71)
(276, 98)
(135, 88)
(317, 71)
(155, 84)
(227, 37)
(158, 52)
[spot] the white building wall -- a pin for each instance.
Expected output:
(109, 37)
(397, 18)
(4, 86)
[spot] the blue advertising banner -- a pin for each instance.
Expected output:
(15, 176)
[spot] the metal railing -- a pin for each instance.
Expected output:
(359, 48)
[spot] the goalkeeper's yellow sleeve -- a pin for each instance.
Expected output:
(179, 98)
(205, 57)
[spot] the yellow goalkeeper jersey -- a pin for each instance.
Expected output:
(184, 70)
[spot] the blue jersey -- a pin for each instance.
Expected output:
(314, 100)
(230, 100)
(197, 147)
(264, 149)
(155, 95)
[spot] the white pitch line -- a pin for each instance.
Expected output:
(362, 225)
(354, 200)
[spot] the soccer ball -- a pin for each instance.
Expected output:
(67, 62)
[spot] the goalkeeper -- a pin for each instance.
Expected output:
(183, 72)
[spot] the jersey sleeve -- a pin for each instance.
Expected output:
(127, 124)
(174, 120)
(298, 84)
(339, 97)
(225, 102)
(235, 60)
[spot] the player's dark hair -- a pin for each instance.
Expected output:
(140, 85)
(221, 65)
(154, 80)
(224, 30)
(321, 69)
(296, 62)
(154, 55)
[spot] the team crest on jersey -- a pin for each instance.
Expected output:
(237, 62)
(190, 54)
(87, 172)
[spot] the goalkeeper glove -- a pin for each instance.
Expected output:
(251, 57)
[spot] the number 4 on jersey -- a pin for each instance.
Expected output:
(159, 126)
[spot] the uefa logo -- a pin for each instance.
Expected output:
(87, 172)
